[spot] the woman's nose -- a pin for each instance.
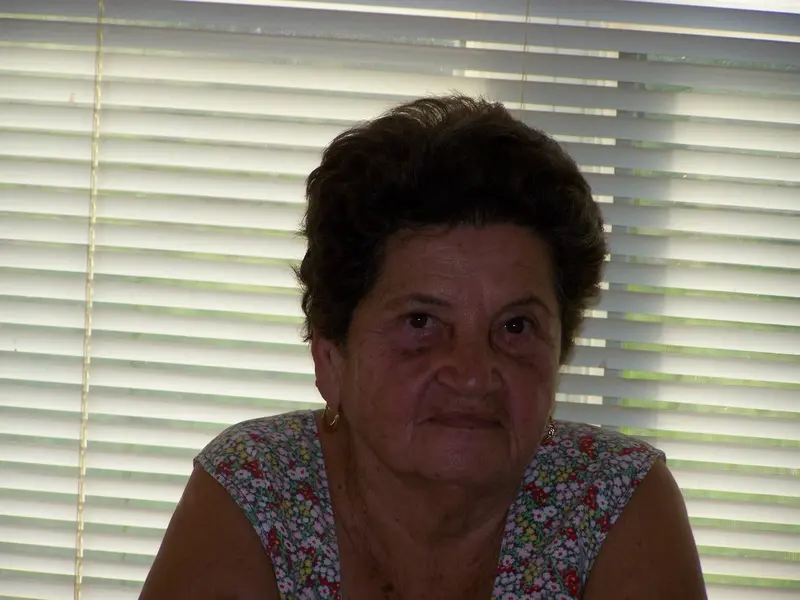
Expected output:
(468, 368)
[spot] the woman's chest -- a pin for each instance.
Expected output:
(362, 579)
(533, 562)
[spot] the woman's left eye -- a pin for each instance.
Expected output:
(518, 326)
(418, 320)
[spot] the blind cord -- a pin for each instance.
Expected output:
(89, 295)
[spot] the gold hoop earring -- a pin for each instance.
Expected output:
(551, 431)
(333, 424)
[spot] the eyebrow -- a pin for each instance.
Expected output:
(431, 300)
(418, 298)
(527, 301)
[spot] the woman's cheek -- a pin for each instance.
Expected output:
(409, 344)
(537, 366)
(416, 350)
(530, 350)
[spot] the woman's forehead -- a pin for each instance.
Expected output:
(501, 260)
(466, 248)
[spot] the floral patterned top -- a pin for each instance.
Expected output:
(572, 493)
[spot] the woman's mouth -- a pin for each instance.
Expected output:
(465, 420)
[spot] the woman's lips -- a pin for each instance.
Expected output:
(457, 420)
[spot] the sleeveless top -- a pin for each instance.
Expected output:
(571, 494)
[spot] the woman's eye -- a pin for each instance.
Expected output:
(518, 325)
(419, 320)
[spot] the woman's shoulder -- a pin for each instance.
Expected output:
(260, 460)
(573, 491)
(274, 470)
(586, 452)
(587, 444)
(255, 436)
(261, 447)
(584, 464)
(597, 467)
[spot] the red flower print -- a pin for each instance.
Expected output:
(586, 445)
(571, 581)
(577, 474)
(252, 467)
(224, 467)
(272, 540)
(590, 499)
(305, 490)
(505, 566)
(537, 494)
(333, 586)
(602, 521)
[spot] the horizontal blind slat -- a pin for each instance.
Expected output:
(37, 425)
(750, 567)
(673, 363)
(41, 588)
(747, 454)
(62, 509)
(41, 454)
(717, 279)
(680, 392)
(716, 222)
(787, 487)
(684, 422)
(693, 336)
(730, 592)
(687, 191)
(695, 307)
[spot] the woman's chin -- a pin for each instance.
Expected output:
(467, 458)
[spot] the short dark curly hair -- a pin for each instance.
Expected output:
(442, 161)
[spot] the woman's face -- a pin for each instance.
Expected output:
(452, 359)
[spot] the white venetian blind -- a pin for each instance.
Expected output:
(164, 168)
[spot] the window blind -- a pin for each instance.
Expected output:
(152, 157)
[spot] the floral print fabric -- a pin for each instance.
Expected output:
(572, 493)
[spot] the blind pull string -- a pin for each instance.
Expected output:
(89, 295)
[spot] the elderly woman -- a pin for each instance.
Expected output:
(452, 252)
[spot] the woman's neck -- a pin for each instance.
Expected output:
(413, 529)
(424, 513)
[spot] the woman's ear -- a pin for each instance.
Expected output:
(329, 366)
